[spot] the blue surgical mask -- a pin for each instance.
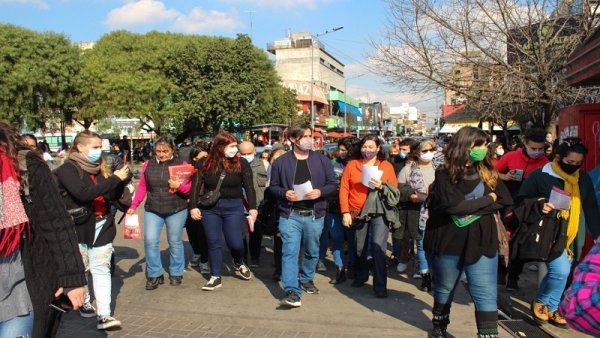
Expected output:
(403, 154)
(94, 155)
(248, 158)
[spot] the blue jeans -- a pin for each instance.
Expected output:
(481, 275)
(371, 240)
(554, 283)
(153, 223)
(226, 218)
(96, 261)
(334, 228)
(422, 257)
(297, 230)
(21, 326)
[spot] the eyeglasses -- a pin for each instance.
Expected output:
(427, 151)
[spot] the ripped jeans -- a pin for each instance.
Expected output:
(97, 261)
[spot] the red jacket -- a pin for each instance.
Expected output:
(519, 160)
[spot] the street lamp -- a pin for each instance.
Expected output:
(345, 96)
(312, 74)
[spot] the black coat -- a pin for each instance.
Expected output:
(82, 191)
(51, 257)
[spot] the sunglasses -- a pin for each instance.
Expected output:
(62, 304)
(571, 141)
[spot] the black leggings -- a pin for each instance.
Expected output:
(197, 238)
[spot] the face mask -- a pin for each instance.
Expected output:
(499, 152)
(248, 158)
(569, 168)
(230, 152)
(426, 157)
(477, 155)
(343, 156)
(535, 154)
(94, 155)
(368, 154)
(305, 144)
(403, 154)
(549, 139)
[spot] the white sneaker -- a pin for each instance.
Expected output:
(87, 310)
(401, 267)
(417, 275)
(533, 268)
(204, 268)
(195, 260)
(107, 322)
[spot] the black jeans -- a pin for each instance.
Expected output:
(379, 236)
(255, 241)
(197, 238)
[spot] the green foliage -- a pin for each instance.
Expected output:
(38, 76)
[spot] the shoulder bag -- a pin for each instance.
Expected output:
(208, 199)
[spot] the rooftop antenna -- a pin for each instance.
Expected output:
(251, 29)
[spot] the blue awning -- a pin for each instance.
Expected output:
(351, 109)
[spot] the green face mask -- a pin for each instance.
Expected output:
(477, 155)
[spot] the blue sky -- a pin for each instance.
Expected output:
(265, 20)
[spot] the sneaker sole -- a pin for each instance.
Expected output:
(108, 326)
(210, 288)
(290, 304)
(87, 315)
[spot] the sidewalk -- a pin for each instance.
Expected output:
(250, 308)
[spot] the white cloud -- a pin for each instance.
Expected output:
(40, 3)
(312, 4)
(142, 12)
(199, 20)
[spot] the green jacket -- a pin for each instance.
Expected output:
(382, 203)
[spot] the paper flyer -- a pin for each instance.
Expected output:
(370, 172)
(302, 189)
(560, 199)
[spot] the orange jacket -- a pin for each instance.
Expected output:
(353, 193)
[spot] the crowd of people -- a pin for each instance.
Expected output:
(460, 212)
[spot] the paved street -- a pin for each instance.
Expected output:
(250, 308)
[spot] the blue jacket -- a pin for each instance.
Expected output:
(322, 177)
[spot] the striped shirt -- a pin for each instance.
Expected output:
(581, 303)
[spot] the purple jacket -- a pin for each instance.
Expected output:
(322, 177)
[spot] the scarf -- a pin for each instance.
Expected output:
(572, 215)
(85, 164)
(13, 219)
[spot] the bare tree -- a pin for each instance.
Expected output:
(503, 58)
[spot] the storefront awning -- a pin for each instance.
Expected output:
(349, 108)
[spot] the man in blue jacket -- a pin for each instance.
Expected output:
(301, 221)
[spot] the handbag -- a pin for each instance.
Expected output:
(503, 246)
(208, 199)
(79, 215)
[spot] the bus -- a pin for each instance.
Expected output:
(55, 140)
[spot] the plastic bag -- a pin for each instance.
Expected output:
(132, 228)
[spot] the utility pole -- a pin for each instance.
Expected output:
(251, 29)
(312, 74)
(345, 96)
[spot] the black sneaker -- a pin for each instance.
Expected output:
(291, 299)
(153, 282)
(175, 280)
(243, 270)
(512, 284)
(213, 283)
(254, 263)
(309, 287)
(108, 322)
(87, 310)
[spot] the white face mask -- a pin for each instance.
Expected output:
(230, 152)
(499, 152)
(426, 157)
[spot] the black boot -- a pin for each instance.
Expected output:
(426, 282)
(153, 282)
(340, 275)
(441, 319)
(350, 272)
(487, 324)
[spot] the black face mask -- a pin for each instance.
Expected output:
(568, 168)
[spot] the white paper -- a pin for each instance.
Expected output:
(560, 199)
(302, 189)
(132, 220)
(370, 172)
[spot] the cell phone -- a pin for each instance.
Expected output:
(62, 304)
(518, 174)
